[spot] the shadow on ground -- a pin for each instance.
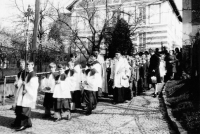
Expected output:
(163, 109)
(6, 121)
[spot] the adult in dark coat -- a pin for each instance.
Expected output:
(178, 63)
(170, 60)
(154, 68)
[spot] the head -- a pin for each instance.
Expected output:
(30, 66)
(96, 51)
(151, 52)
(52, 67)
(73, 57)
(171, 52)
(162, 57)
(157, 50)
(22, 64)
(61, 69)
(146, 53)
(140, 54)
(118, 54)
(177, 50)
(93, 57)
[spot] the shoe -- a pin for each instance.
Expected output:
(69, 116)
(114, 103)
(21, 128)
(88, 113)
(13, 125)
(46, 116)
(154, 96)
(58, 119)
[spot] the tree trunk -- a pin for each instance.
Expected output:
(35, 31)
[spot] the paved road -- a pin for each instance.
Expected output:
(142, 115)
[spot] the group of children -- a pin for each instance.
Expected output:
(66, 89)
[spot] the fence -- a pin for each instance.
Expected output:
(11, 76)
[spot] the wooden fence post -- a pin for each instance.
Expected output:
(4, 88)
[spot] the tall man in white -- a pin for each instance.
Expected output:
(120, 73)
(102, 85)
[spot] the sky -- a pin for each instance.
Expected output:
(8, 10)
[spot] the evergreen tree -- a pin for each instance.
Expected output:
(120, 39)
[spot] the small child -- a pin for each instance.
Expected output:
(70, 73)
(47, 86)
(62, 95)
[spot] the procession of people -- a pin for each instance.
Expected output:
(76, 85)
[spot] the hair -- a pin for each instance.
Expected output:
(72, 55)
(157, 50)
(140, 53)
(22, 61)
(96, 49)
(118, 51)
(94, 55)
(60, 66)
(52, 64)
(30, 62)
(146, 52)
(177, 49)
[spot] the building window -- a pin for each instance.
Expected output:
(142, 14)
(115, 1)
(154, 14)
(142, 41)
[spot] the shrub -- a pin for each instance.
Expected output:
(191, 120)
(182, 107)
(180, 98)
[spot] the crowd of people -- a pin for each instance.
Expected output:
(77, 85)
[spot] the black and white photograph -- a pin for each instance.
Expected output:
(100, 66)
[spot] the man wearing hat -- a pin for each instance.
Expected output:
(120, 74)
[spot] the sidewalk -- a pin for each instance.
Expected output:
(142, 115)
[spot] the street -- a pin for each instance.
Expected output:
(142, 115)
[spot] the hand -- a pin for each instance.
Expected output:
(57, 82)
(124, 77)
(110, 80)
(85, 82)
(43, 77)
(48, 88)
(16, 86)
(24, 92)
(118, 72)
(23, 83)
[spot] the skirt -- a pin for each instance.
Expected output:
(23, 115)
(118, 95)
(48, 100)
(127, 94)
(76, 98)
(62, 103)
(89, 98)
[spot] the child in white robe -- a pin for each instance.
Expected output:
(27, 96)
(47, 86)
(62, 96)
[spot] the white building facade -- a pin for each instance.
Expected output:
(155, 23)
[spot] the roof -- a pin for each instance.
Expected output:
(172, 3)
(71, 4)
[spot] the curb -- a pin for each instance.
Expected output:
(175, 123)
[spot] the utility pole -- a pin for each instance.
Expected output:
(27, 14)
(35, 31)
